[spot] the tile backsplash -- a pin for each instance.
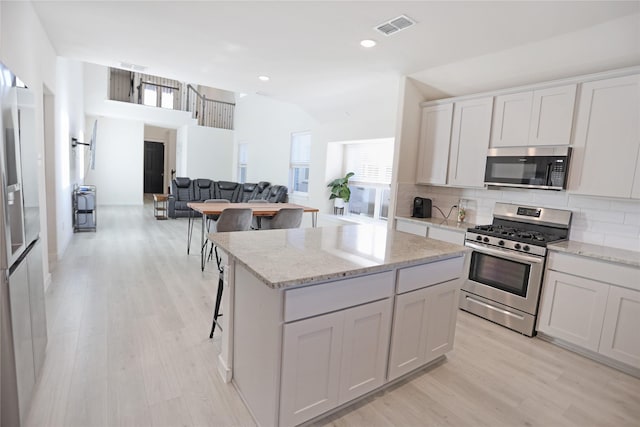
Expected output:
(598, 220)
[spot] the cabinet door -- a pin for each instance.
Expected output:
(607, 138)
(310, 367)
(433, 148)
(620, 337)
(365, 346)
(572, 309)
(511, 118)
(470, 142)
(409, 336)
(552, 116)
(441, 318)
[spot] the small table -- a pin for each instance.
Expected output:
(160, 206)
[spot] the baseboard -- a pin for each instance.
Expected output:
(224, 370)
(612, 363)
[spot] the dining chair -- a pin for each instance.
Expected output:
(231, 219)
(257, 220)
(214, 217)
(285, 218)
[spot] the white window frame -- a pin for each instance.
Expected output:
(243, 153)
(300, 158)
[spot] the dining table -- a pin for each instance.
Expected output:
(215, 208)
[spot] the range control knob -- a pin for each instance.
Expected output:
(486, 240)
(501, 242)
(479, 238)
(517, 246)
(526, 248)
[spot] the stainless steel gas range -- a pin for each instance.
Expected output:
(507, 263)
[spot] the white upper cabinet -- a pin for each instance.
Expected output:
(433, 148)
(534, 118)
(511, 117)
(552, 116)
(470, 142)
(607, 139)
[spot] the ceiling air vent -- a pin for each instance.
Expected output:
(394, 25)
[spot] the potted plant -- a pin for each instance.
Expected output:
(340, 192)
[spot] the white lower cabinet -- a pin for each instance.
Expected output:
(411, 227)
(424, 229)
(573, 309)
(423, 327)
(331, 359)
(620, 336)
(600, 313)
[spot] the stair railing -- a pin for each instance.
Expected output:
(209, 112)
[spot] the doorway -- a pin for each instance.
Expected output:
(153, 167)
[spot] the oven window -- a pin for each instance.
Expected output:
(500, 273)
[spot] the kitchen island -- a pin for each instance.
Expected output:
(317, 318)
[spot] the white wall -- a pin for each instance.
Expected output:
(206, 153)
(118, 174)
(266, 125)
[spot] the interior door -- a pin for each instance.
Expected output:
(153, 167)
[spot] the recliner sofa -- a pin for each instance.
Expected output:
(185, 190)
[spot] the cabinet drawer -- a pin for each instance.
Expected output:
(411, 227)
(420, 276)
(326, 297)
(616, 274)
(454, 237)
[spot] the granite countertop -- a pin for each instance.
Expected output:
(449, 224)
(604, 253)
(282, 258)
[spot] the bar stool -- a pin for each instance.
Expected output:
(231, 219)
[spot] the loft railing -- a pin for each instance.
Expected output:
(157, 91)
(209, 112)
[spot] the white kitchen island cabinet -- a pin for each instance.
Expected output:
(312, 313)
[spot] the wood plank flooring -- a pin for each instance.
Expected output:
(129, 314)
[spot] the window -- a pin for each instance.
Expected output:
(242, 162)
(157, 95)
(372, 163)
(300, 161)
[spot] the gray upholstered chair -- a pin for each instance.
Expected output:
(257, 220)
(231, 219)
(285, 218)
(214, 217)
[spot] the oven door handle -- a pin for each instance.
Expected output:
(505, 253)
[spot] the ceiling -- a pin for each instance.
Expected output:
(311, 51)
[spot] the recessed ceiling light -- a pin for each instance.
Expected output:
(263, 78)
(368, 43)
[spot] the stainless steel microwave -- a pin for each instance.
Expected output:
(544, 168)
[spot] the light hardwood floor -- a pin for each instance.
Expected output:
(129, 314)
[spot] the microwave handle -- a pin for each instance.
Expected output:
(548, 174)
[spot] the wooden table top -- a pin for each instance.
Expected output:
(259, 209)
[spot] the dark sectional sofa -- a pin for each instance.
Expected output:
(185, 190)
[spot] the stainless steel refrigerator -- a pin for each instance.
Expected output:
(23, 328)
